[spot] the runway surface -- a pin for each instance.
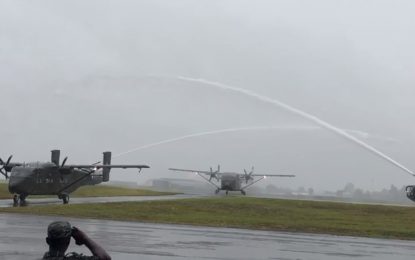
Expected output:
(44, 201)
(23, 237)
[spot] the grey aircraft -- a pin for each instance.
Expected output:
(231, 181)
(54, 178)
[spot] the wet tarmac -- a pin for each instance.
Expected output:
(47, 201)
(22, 237)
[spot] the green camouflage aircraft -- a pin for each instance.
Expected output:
(53, 178)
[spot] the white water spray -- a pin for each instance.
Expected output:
(214, 132)
(301, 113)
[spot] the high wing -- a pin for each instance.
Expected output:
(273, 175)
(104, 166)
(90, 169)
(250, 177)
(212, 174)
(193, 171)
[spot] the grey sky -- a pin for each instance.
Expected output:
(91, 76)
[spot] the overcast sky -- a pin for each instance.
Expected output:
(89, 76)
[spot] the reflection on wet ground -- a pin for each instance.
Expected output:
(36, 201)
(23, 238)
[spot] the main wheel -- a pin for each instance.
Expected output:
(22, 199)
(15, 199)
(243, 192)
(65, 199)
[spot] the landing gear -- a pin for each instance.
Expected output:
(217, 191)
(227, 192)
(64, 198)
(15, 200)
(243, 192)
(19, 199)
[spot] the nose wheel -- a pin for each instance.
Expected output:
(19, 199)
(15, 200)
(243, 192)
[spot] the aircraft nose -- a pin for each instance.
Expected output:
(14, 185)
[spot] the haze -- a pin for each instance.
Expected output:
(86, 77)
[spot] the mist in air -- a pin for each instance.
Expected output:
(125, 76)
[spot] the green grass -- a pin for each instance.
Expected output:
(112, 191)
(4, 191)
(253, 213)
(94, 191)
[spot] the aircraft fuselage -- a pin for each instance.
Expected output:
(47, 179)
(231, 182)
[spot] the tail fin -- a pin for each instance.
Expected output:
(55, 157)
(106, 172)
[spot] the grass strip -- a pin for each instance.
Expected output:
(94, 191)
(252, 213)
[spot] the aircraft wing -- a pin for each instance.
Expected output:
(105, 166)
(194, 171)
(273, 175)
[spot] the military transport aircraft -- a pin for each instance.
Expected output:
(53, 178)
(231, 181)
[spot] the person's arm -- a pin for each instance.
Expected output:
(82, 239)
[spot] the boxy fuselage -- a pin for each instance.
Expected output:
(48, 179)
(231, 182)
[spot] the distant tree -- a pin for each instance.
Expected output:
(367, 195)
(358, 194)
(349, 187)
(394, 191)
(301, 190)
(310, 191)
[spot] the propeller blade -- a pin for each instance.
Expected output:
(8, 160)
(247, 175)
(4, 173)
(64, 161)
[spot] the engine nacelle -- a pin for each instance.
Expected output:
(410, 192)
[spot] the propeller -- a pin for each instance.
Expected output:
(213, 174)
(248, 176)
(5, 167)
(64, 161)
